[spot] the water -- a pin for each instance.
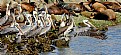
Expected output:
(84, 45)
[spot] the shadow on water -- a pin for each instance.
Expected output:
(84, 45)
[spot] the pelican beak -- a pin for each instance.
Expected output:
(91, 24)
(20, 29)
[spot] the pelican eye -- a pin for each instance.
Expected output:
(19, 35)
(43, 13)
(86, 22)
(29, 16)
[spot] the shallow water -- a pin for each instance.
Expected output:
(84, 45)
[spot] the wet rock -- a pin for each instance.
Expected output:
(52, 36)
(61, 43)
(47, 48)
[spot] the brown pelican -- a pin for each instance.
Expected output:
(69, 27)
(65, 30)
(83, 29)
(41, 19)
(91, 31)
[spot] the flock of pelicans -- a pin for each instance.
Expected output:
(24, 21)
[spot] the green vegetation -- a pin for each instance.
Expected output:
(98, 23)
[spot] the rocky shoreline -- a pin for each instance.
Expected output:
(45, 44)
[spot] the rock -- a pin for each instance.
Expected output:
(61, 43)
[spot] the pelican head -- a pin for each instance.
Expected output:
(86, 22)
(62, 24)
(7, 5)
(34, 12)
(48, 16)
(36, 9)
(28, 15)
(43, 13)
(40, 15)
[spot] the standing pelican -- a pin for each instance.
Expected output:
(84, 29)
(65, 30)
(69, 27)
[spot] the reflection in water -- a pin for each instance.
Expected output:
(84, 45)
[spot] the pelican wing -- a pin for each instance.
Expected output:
(3, 20)
(46, 29)
(8, 30)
